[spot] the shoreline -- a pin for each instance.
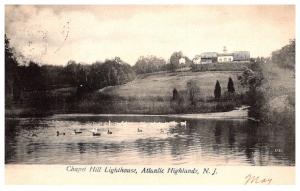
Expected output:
(239, 113)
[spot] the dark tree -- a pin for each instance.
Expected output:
(252, 80)
(12, 82)
(217, 91)
(177, 102)
(175, 94)
(230, 86)
(33, 77)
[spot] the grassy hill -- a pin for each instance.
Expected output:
(162, 84)
(152, 94)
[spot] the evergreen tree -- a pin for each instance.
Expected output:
(175, 94)
(217, 91)
(230, 86)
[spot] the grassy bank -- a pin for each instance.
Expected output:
(162, 84)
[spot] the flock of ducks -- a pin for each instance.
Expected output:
(109, 132)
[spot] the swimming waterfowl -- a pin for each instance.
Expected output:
(173, 123)
(77, 131)
(96, 134)
(109, 132)
(58, 133)
(139, 130)
(183, 123)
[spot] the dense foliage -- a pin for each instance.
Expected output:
(98, 75)
(149, 64)
(285, 57)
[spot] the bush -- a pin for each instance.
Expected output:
(192, 91)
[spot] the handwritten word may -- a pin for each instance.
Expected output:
(251, 179)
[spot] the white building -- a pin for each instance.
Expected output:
(182, 60)
(225, 57)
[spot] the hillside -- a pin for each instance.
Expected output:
(147, 94)
(162, 84)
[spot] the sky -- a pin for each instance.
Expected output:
(54, 35)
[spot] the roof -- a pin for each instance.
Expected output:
(225, 54)
(209, 55)
(241, 55)
(241, 52)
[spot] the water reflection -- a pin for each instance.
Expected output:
(161, 141)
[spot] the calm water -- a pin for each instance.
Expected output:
(162, 141)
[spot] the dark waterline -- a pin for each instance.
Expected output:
(161, 142)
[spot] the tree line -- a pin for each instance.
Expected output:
(34, 77)
(151, 63)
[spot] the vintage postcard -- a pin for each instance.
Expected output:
(150, 94)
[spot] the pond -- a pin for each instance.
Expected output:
(145, 140)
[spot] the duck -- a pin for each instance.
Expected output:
(183, 123)
(173, 123)
(96, 134)
(58, 133)
(109, 132)
(139, 130)
(77, 131)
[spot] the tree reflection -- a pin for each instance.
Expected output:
(250, 143)
(231, 137)
(218, 132)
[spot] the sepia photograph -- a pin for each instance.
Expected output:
(158, 85)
